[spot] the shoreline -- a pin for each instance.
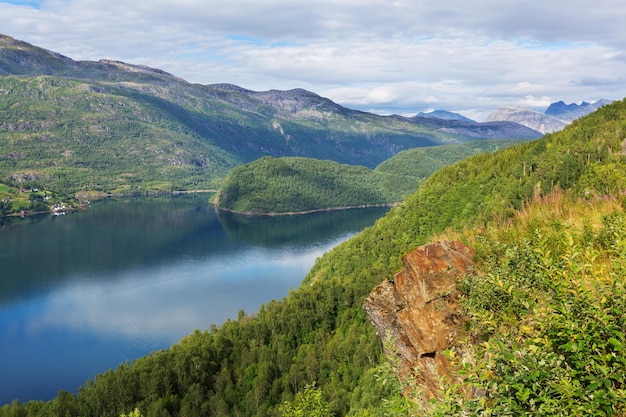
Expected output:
(297, 213)
(97, 196)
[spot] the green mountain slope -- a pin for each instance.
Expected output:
(546, 335)
(404, 172)
(71, 126)
(319, 333)
(66, 135)
(296, 185)
(422, 162)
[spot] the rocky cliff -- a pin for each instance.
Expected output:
(543, 123)
(420, 310)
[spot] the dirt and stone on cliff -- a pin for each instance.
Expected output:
(420, 310)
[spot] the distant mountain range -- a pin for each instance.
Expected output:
(538, 121)
(556, 117)
(445, 115)
(570, 112)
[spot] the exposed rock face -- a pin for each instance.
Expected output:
(538, 121)
(420, 310)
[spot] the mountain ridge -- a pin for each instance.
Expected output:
(555, 118)
(529, 118)
(572, 111)
(445, 115)
(176, 135)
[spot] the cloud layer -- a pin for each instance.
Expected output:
(387, 56)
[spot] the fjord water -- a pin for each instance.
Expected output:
(82, 293)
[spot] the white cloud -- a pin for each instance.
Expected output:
(387, 56)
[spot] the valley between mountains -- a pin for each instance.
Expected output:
(81, 130)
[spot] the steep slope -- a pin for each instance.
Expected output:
(586, 157)
(534, 327)
(486, 191)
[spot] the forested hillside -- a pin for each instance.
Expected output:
(405, 171)
(319, 334)
(297, 185)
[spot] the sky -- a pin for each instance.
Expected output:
(384, 56)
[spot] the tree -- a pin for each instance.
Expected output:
(134, 413)
(307, 403)
(5, 208)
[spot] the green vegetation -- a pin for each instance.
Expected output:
(282, 185)
(420, 163)
(295, 185)
(555, 344)
(70, 135)
(66, 136)
(308, 403)
(402, 174)
(548, 307)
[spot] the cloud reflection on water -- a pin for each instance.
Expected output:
(164, 304)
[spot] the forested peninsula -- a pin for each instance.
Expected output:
(299, 185)
(546, 333)
(291, 185)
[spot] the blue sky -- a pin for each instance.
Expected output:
(32, 3)
(385, 56)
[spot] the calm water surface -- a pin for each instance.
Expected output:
(82, 293)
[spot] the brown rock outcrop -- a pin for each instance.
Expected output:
(420, 310)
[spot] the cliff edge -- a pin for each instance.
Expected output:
(420, 310)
